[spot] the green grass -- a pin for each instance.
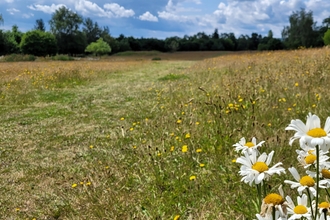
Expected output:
(119, 136)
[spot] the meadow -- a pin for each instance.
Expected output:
(127, 137)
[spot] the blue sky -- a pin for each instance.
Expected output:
(165, 18)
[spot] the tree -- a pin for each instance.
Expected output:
(301, 30)
(38, 43)
(172, 44)
(326, 37)
(1, 19)
(64, 24)
(40, 25)
(91, 30)
(215, 34)
(98, 48)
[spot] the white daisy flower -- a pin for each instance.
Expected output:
(324, 176)
(300, 210)
(255, 169)
(324, 208)
(305, 182)
(243, 146)
(308, 159)
(271, 201)
(310, 133)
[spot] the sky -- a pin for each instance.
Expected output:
(168, 18)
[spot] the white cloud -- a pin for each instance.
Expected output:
(29, 15)
(45, 8)
(12, 10)
(119, 11)
(148, 17)
(178, 12)
(9, 1)
(86, 7)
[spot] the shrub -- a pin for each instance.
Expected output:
(62, 57)
(19, 57)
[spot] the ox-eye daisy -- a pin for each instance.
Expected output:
(300, 210)
(310, 133)
(249, 146)
(255, 169)
(273, 201)
(308, 158)
(305, 182)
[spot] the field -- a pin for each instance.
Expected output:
(128, 137)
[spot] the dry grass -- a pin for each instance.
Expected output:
(103, 139)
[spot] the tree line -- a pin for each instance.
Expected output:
(72, 34)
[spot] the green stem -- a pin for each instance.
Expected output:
(317, 179)
(274, 211)
(259, 195)
(327, 192)
(310, 201)
(264, 187)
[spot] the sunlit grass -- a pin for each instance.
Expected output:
(147, 140)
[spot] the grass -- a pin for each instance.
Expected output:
(105, 139)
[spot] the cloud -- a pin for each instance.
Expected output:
(45, 8)
(148, 17)
(86, 7)
(119, 11)
(29, 15)
(9, 1)
(12, 11)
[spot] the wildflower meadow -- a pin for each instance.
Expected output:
(223, 136)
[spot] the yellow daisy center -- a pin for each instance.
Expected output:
(324, 205)
(307, 181)
(325, 173)
(310, 159)
(317, 132)
(274, 199)
(249, 144)
(260, 167)
(300, 209)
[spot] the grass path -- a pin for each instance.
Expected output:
(45, 143)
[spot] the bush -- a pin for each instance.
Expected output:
(38, 43)
(326, 37)
(156, 58)
(62, 57)
(19, 57)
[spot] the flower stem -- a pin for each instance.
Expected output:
(310, 201)
(317, 178)
(259, 195)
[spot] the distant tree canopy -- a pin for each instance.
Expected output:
(75, 35)
(64, 24)
(326, 37)
(302, 30)
(1, 19)
(38, 43)
(40, 25)
(98, 48)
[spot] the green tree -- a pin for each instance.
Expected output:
(64, 24)
(38, 43)
(301, 31)
(98, 48)
(40, 25)
(91, 30)
(215, 34)
(1, 19)
(326, 37)
(172, 44)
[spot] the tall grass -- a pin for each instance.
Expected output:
(148, 140)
